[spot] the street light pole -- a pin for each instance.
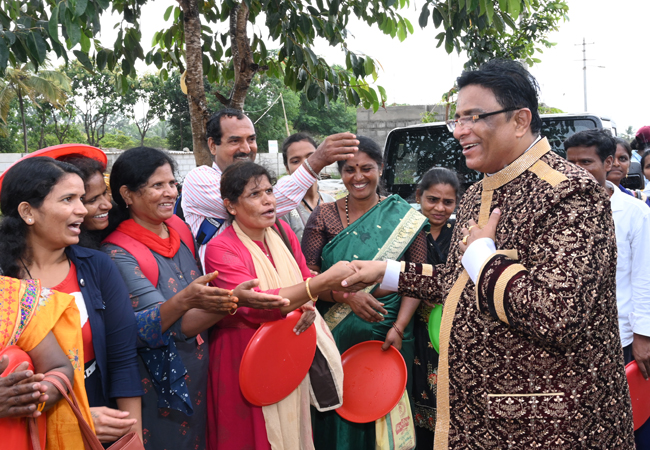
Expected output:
(584, 68)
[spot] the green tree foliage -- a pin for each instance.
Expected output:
(119, 140)
(337, 117)
(545, 109)
(519, 43)
(48, 87)
(144, 103)
(96, 99)
(265, 108)
(628, 134)
(31, 29)
(177, 111)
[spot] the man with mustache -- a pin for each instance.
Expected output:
(231, 137)
(530, 354)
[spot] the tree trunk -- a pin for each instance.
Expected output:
(199, 114)
(22, 117)
(41, 141)
(180, 127)
(242, 57)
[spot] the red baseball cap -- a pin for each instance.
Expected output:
(643, 135)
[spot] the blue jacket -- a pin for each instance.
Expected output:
(112, 323)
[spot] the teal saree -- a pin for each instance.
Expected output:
(384, 232)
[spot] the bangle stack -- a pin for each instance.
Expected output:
(399, 332)
(311, 297)
(314, 174)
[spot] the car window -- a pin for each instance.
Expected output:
(411, 151)
(559, 130)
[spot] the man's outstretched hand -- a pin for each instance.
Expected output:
(366, 274)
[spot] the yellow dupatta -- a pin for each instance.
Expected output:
(31, 312)
(288, 422)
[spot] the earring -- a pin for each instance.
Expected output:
(29, 220)
(127, 206)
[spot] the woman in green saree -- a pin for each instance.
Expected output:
(363, 225)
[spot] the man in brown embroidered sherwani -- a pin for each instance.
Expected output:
(530, 353)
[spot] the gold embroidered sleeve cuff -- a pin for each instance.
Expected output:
(494, 283)
(418, 280)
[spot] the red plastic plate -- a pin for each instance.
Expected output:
(16, 356)
(56, 151)
(373, 381)
(639, 393)
(276, 360)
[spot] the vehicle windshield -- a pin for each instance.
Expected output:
(410, 152)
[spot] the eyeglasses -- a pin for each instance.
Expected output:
(469, 121)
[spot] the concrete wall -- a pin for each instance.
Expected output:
(185, 161)
(7, 159)
(377, 125)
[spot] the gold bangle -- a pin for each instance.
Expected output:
(41, 406)
(311, 297)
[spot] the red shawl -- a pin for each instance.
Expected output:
(164, 247)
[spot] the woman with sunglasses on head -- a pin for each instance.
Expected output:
(40, 232)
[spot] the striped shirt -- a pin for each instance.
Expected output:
(202, 196)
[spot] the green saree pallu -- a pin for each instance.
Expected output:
(384, 232)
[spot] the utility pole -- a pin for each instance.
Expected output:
(584, 67)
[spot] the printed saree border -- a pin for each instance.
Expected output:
(395, 245)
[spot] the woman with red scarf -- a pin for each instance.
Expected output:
(156, 255)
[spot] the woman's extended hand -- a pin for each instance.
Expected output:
(392, 338)
(208, 298)
(20, 391)
(307, 318)
(110, 424)
(333, 276)
(366, 307)
(258, 300)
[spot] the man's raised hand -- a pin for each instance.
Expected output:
(336, 147)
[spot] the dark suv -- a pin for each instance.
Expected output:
(411, 151)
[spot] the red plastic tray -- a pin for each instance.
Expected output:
(373, 381)
(276, 360)
(639, 393)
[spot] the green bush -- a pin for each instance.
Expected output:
(118, 140)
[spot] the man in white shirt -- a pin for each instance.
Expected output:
(594, 150)
(231, 137)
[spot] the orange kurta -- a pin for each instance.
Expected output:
(28, 312)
